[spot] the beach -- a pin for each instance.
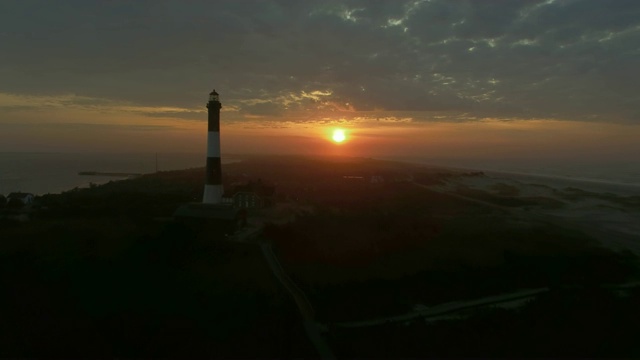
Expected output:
(606, 211)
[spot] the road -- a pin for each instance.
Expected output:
(448, 308)
(306, 309)
(304, 306)
(251, 234)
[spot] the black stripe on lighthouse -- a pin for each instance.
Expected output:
(214, 171)
(213, 181)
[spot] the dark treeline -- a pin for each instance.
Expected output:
(95, 274)
(105, 271)
(585, 323)
(368, 252)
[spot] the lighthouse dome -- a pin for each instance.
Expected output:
(214, 96)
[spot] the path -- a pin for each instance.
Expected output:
(448, 308)
(304, 306)
(250, 234)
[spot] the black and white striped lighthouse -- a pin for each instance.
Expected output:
(213, 182)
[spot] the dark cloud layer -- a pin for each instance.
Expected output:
(571, 59)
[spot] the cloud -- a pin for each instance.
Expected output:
(562, 59)
(12, 104)
(267, 108)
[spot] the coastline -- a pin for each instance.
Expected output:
(595, 184)
(584, 183)
(43, 173)
(605, 211)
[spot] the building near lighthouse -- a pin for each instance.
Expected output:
(250, 195)
(212, 211)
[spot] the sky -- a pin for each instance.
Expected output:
(406, 78)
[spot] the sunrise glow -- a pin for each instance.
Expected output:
(338, 135)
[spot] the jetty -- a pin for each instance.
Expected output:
(115, 174)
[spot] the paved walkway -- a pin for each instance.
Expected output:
(447, 308)
(250, 234)
(304, 306)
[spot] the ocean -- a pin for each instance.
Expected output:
(42, 173)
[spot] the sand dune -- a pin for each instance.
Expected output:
(607, 211)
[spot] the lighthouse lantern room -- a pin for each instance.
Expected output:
(214, 96)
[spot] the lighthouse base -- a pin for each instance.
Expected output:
(225, 219)
(212, 194)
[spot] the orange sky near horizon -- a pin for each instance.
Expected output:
(482, 139)
(123, 128)
(473, 140)
(487, 80)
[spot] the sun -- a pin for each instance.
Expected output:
(338, 135)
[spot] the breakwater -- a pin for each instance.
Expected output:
(115, 174)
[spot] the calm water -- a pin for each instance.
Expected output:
(42, 173)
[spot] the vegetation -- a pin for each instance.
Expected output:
(589, 322)
(578, 194)
(96, 274)
(508, 197)
(371, 251)
(106, 271)
(141, 302)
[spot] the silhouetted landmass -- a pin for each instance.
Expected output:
(95, 275)
(583, 323)
(106, 271)
(506, 197)
(573, 194)
(381, 252)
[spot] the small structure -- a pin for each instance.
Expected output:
(252, 195)
(20, 197)
(226, 219)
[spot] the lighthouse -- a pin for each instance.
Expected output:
(219, 218)
(213, 180)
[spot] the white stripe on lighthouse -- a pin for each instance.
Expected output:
(212, 194)
(213, 144)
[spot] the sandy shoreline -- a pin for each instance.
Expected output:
(595, 185)
(609, 212)
(631, 188)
